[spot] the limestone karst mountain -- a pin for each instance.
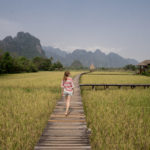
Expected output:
(24, 44)
(98, 58)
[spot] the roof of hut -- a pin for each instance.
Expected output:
(144, 63)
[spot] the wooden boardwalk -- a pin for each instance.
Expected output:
(95, 74)
(115, 85)
(63, 133)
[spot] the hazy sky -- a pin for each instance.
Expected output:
(121, 26)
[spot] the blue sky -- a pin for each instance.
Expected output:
(121, 26)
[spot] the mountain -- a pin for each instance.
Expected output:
(56, 53)
(24, 44)
(98, 58)
(76, 64)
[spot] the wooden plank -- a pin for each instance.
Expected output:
(71, 113)
(64, 141)
(71, 102)
(110, 74)
(71, 137)
(115, 85)
(62, 148)
(62, 144)
(66, 123)
(74, 107)
(66, 128)
(66, 120)
(65, 134)
(68, 117)
(70, 109)
(62, 115)
(112, 85)
(63, 104)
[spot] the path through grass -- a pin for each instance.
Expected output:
(26, 101)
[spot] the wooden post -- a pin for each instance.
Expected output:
(140, 70)
(93, 87)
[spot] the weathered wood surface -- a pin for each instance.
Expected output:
(64, 133)
(115, 85)
(110, 74)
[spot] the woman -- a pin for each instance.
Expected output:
(67, 89)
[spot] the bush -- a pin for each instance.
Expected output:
(130, 67)
(8, 64)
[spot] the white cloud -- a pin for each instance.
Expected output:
(8, 27)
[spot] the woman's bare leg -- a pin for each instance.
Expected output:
(66, 97)
(67, 104)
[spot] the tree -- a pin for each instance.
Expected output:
(43, 63)
(130, 67)
(76, 64)
(57, 66)
(6, 63)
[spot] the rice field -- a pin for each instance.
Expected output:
(119, 119)
(105, 78)
(26, 102)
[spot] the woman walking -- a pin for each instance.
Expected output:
(67, 89)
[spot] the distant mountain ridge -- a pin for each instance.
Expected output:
(24, 44)
(98, 58)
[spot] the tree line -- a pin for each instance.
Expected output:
(9, 64)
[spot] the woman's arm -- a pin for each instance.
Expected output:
(73, 86)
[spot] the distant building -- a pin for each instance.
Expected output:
(143, 66)
(92, 67)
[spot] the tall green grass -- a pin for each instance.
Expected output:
(115, 79)
(26, 102)
(119, 119)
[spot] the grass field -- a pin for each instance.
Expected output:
(113, 79)
(26, 102)
(119, 118)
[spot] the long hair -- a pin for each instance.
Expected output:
(66, 74)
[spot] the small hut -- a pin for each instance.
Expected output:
(143, 66)
(92, 67)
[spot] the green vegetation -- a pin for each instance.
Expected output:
(146, 72)
(26, 102)
(76, 65)
(119, 119)
(9, 64)
(130, 67)
(114, 79)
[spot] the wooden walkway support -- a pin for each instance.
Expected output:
(66, 133)
(116, 85)
(110, 74)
